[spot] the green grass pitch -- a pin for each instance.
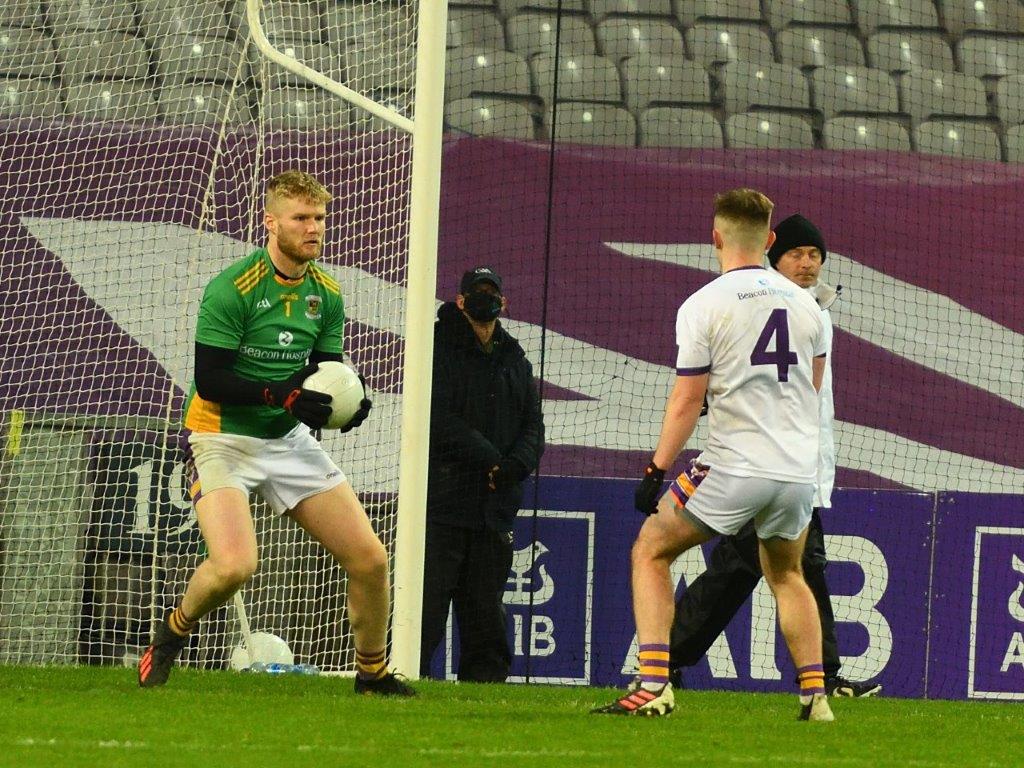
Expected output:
(98, 717)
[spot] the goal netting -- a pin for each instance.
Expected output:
(136, 138)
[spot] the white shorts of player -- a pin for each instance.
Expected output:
(284, 470)
(724, 503)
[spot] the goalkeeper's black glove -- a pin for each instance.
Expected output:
(310, 407)
(645, 498)
(364, 410)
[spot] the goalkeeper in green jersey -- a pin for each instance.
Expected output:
(264, 325)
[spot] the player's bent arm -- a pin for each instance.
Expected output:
(217, 382)
(818, 372)
(681, 414)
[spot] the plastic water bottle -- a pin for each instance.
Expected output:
(276, 668)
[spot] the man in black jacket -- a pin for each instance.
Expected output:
(486, 437)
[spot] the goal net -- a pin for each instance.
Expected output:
(136, 138)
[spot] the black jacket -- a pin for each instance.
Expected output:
(485, 410)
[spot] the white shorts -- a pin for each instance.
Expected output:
(722, 504)
(284, 470)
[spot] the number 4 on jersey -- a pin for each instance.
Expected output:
(782, 357)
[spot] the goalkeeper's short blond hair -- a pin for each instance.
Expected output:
(296, 185)
(744, 217)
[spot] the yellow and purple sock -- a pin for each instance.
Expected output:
(653, 665)
(179, 623)
(812, 681)
(371, 666)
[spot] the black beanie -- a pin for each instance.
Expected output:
(795, 232)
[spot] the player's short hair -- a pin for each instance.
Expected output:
(296, 185)
(747, 214)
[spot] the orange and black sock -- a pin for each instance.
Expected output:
(179, 623)
(371, 666)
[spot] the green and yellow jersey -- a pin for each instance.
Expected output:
(274, 324)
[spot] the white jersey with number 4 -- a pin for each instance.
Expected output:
(755, 333)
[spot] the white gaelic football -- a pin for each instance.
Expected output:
(343, 385)
(266, 649)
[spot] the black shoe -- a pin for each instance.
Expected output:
(155, 664)
(390, 685)
(675, 676)
(840, 686)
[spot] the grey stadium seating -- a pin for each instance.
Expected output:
(749, 86)
(307, 109)
(865, 133)
(768, 130)
(509, 7)
(910, 49)
(113, 100)
(857, 90)
(964, 16)
(28, 99)
(368, 25)
(582, 123)
(598, 9)
(293, 20)
(1009, 99)
(819, 47)
(782, 13)
(689, 12)
(991, 56)
(622, 38)
(320, 57)
(675, 127)
(491, 117)
(486, 72)
(185, 58)
(873, 15)
(26, 53)
(927, 93)
(180, 17)
(533, 32)
(204, 104)
(474, 28)
(664, 80)
(106, 55)
(369, 68)
(718, 43)
(957, 139)
(107, 16)
(22, 13)
(580, 78)
(1015, 144)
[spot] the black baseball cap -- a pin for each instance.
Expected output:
(479, 275)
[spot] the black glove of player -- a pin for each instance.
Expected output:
(364, 410)
(506, 473)
(310, 407)
(645, 498)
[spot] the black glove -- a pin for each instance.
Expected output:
(359, 416)
(310, 407)
(645, 498)
(506, 473)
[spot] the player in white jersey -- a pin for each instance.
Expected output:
(753, 344)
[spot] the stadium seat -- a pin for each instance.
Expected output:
(991, 56)
(1015, 144)
(927, 93)
(22, 13)
(510, 7)
(203, 104)
(689, 12)
(320, 57)
(307, 109)
(106, 55)
(399, 101)
(372, 68)
(675, 127)
(873, 15)
(664, 80)
(34, 98)
(598, 9)
(1009, 99)
(906, 50)
(26, 53)
(474, 28)
(865, 133)
(534, 32)
(490, 117)
(964, 16)
(622, 38)
(718, 43)
(581, 123)
(768, 130)
(107, 16)
(184, 58)
(180, 17)
(486, 73)
(580, 78)
(807, 47)
(782, 13)
(283, 20)
(858, 90)
(113, 100)
(957, 139)
(369, 25)
(747, 86)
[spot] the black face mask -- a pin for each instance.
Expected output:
(483, 306)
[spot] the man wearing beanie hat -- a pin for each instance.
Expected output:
(709, 603)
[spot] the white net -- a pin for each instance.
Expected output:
(135, 140)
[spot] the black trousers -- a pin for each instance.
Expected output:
(734, 568)
(467, 568)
